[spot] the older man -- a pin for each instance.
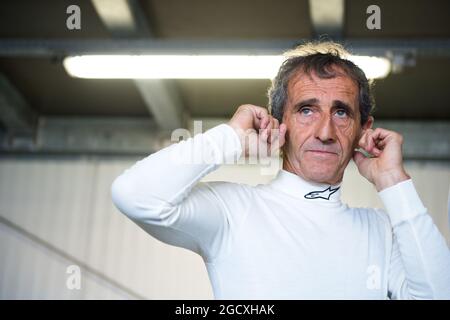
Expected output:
(293, 238)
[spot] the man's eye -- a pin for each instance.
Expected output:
(341, 113)
(306, 111)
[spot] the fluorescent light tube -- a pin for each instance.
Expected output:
(373, 67)
(194, 66)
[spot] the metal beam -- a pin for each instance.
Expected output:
(61, 48)
(82, 135)
(428, 140)
(137, 136)
(162, 99)
(327, 17)
(16, 116)
(140, 20)
(125, 18)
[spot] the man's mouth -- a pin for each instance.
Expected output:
(322, 152)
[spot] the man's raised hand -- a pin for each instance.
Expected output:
(385, 168)
(260, 134)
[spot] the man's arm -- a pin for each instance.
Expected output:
(160, 193)
(420, 260)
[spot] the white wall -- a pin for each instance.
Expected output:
(56, 212)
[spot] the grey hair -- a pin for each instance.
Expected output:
(322, 59)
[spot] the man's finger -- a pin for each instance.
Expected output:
(361, 161)
(363, 139)
(269, 128)
(260, 112)
(279, 138)
(276, 124)
(264, 132)
(369, 142)
(275, 130)
(263, 122)
(373, 143)
(283, 130)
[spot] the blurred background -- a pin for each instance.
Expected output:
(63, 139)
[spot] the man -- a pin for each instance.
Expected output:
(293, 238)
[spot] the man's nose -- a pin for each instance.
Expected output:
(325, 130)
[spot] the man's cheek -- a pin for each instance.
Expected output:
(349, 137)
(304, 123)
(347, 128)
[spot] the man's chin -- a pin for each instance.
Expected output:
(326, 176)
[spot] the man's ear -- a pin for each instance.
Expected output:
(365, 126)
(368, 124)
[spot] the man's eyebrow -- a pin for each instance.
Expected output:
(306, 102)
(338, 104)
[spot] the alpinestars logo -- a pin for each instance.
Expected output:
(324, 194)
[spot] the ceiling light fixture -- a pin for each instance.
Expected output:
(196, 66)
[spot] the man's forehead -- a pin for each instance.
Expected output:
(302, 84)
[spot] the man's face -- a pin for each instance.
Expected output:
(323, 126)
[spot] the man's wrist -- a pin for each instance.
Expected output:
(226, 143)
(243, 136)
(389, 179)
(402, 202)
